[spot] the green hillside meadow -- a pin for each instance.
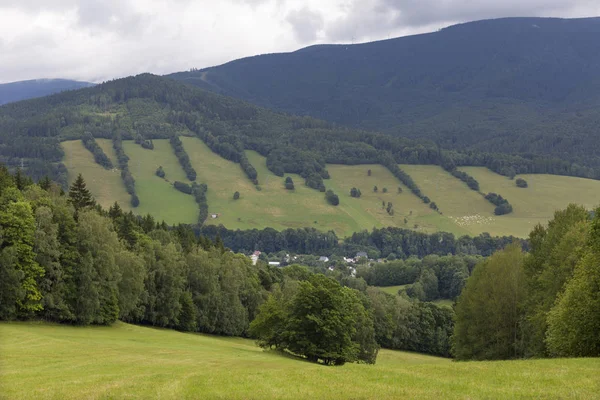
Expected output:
(464, 212)
(44, 361)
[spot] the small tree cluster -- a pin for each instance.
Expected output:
(390, 208)
(354, 192)
(289, 183)
(332, 198)
(160, 172)
(502, 205)
(522, 183)
(182, 187)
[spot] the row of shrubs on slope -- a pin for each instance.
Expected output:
(64, 259)
(126, 176)
(503, 207)
(99, 156)
(403, 177)
(183, 158)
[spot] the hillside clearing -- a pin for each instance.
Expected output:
(272, 206)
(106, 185)
(157, 196)
(464, 211)
(43, 361)
(538, 202)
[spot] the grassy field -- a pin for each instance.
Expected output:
(465, 207)
(106, 186)
(538, 202)
(272, 206)
(464, 212)
(157, 196)
(42, 361)
(391, 289)
(406, 205)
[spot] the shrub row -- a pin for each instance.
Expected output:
(126, 176)
(99, 156)
(183, 158)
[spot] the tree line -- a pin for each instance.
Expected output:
(393, 243)
(540, 304)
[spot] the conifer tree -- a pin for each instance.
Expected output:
(79, 195)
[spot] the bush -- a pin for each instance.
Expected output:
(183, 187)
(289, 183)
(354, 192)
(522, 183)
(332, 198)
(236, 195)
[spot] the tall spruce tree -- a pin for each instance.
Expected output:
(79, 195)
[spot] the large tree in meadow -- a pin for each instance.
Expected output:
(321, 321)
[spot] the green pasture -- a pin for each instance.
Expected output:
(44, 361)
(157, 195)
(106, 185)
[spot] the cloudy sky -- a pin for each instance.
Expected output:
(96, 40)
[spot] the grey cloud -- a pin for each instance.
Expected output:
(110, 15)
(37, 6)
(306, 24)
(368, 18)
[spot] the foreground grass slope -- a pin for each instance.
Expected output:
(41, 361)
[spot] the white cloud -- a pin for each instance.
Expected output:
(102, 39)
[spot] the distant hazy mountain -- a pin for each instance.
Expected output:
(24, 90)
(526, 85)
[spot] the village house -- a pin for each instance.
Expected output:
(254, 257)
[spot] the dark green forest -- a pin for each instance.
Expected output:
(526, 86)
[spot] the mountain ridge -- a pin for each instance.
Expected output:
(24, 90)
(515, 85)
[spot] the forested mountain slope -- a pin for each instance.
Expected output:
(516, 85)
(23, 90)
